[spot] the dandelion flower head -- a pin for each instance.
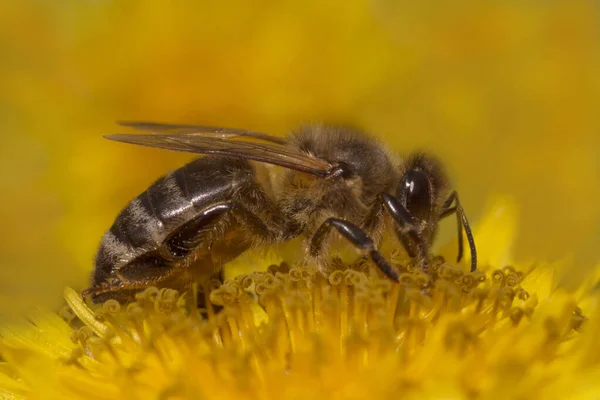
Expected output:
(289, 333)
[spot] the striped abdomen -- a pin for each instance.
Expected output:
(143, 231)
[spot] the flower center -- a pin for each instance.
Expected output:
(264, 333)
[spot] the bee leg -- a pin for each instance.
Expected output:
(203, 295)
(462, 223)
(357, 237)
(269, 232)
(122, 292)
(150, 269)
(91, 291)
(251, 221)
(192, 233)
(406, 228)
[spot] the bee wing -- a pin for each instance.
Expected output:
(231, 143)
(202, 130)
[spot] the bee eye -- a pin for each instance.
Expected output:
(415, 194)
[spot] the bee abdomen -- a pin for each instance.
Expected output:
(142, 226)
(112, 253)
(167, 210)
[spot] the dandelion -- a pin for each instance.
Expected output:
(292, 333)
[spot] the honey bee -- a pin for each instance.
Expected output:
(251, 189)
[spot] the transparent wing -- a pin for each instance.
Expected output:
(226, 142)
(201, 130)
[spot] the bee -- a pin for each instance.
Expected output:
(250, 189)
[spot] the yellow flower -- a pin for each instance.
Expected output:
(294, 334)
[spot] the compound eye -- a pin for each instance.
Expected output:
(415, 193)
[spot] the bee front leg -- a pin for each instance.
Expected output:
(407, 230)
(357, 237)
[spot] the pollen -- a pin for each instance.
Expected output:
(294, 333)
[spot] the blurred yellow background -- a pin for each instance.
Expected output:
(506, 93)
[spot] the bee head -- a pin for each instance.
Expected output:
(422, 187)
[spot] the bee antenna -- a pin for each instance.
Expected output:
(467, 227)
